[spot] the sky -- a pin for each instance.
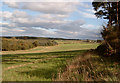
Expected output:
(74, 20)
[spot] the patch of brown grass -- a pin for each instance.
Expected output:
(90, 67)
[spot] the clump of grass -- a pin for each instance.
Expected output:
(91, 67)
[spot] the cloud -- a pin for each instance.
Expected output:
(18, 13)
(12, 4)
(49, 7)
(85, 5)
(22, 24)
(87, 15)
(90, 10)
(82, 33)
(6, 15)
(72, 25)
(22, 19)
(22, 31)
(91, 26)
(46, 7)
(50, 21)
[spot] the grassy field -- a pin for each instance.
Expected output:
(63, 46)
(41, 63)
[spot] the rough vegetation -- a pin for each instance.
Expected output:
(111, 44)
(22, 44)
(91, 67)
(111, 31)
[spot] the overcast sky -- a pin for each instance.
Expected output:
(50, 19)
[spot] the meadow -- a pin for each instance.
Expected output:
(42, 63)
(70, 60)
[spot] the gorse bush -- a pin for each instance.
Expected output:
(20, 44)
(111, 45)
(8, 45)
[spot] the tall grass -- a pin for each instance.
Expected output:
(91, 67)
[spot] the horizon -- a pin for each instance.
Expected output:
(51, 37)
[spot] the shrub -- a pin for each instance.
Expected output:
(35, 43)
(111, 36)
(102, 49)
(21, 44)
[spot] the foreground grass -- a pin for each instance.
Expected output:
(35, 67)
(92, 67)
(41, 63)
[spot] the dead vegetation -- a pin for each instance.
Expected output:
(91, 67)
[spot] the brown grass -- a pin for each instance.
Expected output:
(90, 67)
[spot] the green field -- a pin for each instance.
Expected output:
(41, 63)
(60, 47)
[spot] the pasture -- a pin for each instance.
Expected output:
(42, 63)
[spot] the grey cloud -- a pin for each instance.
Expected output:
(66, 29)
(80, 34)
(21, 23)
(12, 4)
(72, 25)
(46, 7)
(26, 31)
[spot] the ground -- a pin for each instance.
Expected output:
(41, 63)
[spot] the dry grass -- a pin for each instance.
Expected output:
(91, 67)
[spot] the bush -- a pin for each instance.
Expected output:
(36, 43)
(111, 45)
(102, 49)
(20, 44)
